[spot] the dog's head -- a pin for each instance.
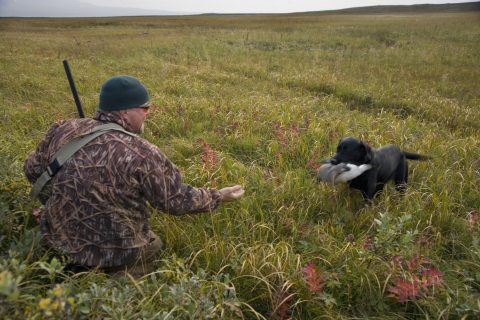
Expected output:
(351, 150)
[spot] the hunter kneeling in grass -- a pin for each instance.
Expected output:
(96, 199)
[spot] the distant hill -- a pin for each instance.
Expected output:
(420, 8)
(70, 8)
(74, 8)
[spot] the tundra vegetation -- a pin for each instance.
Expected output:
(260, 100)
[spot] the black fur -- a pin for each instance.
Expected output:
(389, 163)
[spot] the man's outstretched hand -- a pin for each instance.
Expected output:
(231, 193)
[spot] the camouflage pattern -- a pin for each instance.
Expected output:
(96, 211)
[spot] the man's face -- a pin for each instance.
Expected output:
(136, 117)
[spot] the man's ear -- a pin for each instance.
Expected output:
(123, 114)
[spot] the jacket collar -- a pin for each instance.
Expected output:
(112, 116)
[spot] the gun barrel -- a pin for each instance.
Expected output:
(74, 89)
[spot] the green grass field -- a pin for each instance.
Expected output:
(260, 100)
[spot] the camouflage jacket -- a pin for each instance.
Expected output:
(97, 211)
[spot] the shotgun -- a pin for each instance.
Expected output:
(74, 89)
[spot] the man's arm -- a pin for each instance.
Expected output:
(163, 188)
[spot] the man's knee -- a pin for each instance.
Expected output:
(153, 249)
(146, 262)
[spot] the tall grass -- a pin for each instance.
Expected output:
(259, 100)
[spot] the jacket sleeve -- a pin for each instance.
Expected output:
(163, 188)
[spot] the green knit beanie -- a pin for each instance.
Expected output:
(122, 92)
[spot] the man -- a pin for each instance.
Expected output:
(96, 204)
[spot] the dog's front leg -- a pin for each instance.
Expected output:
(372, 188)
(365, 183)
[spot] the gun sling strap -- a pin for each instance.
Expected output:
(67, 150)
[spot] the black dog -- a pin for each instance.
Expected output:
(389, 163)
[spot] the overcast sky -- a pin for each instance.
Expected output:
(256, 6)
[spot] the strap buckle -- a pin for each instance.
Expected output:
(53, 167)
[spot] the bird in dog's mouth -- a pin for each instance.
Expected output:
(341, 172)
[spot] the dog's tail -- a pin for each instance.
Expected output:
(417, 156)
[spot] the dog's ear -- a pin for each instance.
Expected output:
(367, 152)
